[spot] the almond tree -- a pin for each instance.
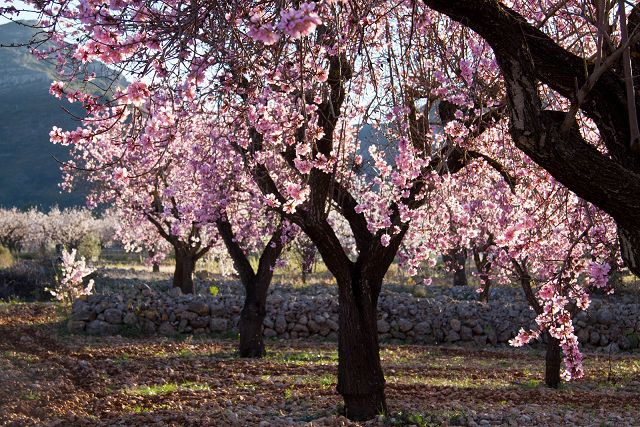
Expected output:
(295, 82)
(585, 53)
(172, 191)
(535, 232)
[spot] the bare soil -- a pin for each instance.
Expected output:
(48, 377)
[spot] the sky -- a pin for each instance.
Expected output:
(18, 5)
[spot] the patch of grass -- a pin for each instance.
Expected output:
(325, 381)
(31, 395)
(302, 357)
(193, 386)
(139, 409)
(185, 352)
(400, 355)
(246, 385)
(415, 419)
(153, 390)
(531, 384)
(160, 389)
(288, 392)
(20, 356)
(451, 381)
(328, 380)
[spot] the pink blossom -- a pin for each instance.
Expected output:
(138, 92)
(272, 201)
(264, 34)
(120, 174)
(322, 76)
(599, 274)
(547, 291)
(56, 89)
(57, 136)
(300, 22)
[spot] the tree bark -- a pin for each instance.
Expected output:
(307, 258)
(553, 356)
(456, 259)
(183, 273)
(553, 360)
(256, 285)
(252, 319)
(483, 265)
(360, 377)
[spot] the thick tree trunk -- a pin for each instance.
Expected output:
(553, 360)
(360, 377)
(183, 273)
(156, 267)
(251, 320)
(630, 247)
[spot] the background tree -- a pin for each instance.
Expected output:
(582, 52)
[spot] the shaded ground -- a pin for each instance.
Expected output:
(50, 378)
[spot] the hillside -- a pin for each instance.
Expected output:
(30, 173)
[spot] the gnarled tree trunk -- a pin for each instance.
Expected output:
(252, 317)
(360, 377)
(256, 285)
(553, 360)
(183, 273)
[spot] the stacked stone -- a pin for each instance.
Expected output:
(448, 315)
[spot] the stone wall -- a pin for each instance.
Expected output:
(449, 315)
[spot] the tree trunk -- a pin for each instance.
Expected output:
(486, 287)
(630, 247)
(553, 357)
(553, 360)
(183, 273)
(251, 320)
(156, 267)
(360, 377)
(483, 266)
(456, 260)
(256, 284)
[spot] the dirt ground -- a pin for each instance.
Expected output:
(50, 378)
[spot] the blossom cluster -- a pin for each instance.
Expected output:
(71, 284)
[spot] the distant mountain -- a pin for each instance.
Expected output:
(29, 172)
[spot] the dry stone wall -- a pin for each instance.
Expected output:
(446, 315)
